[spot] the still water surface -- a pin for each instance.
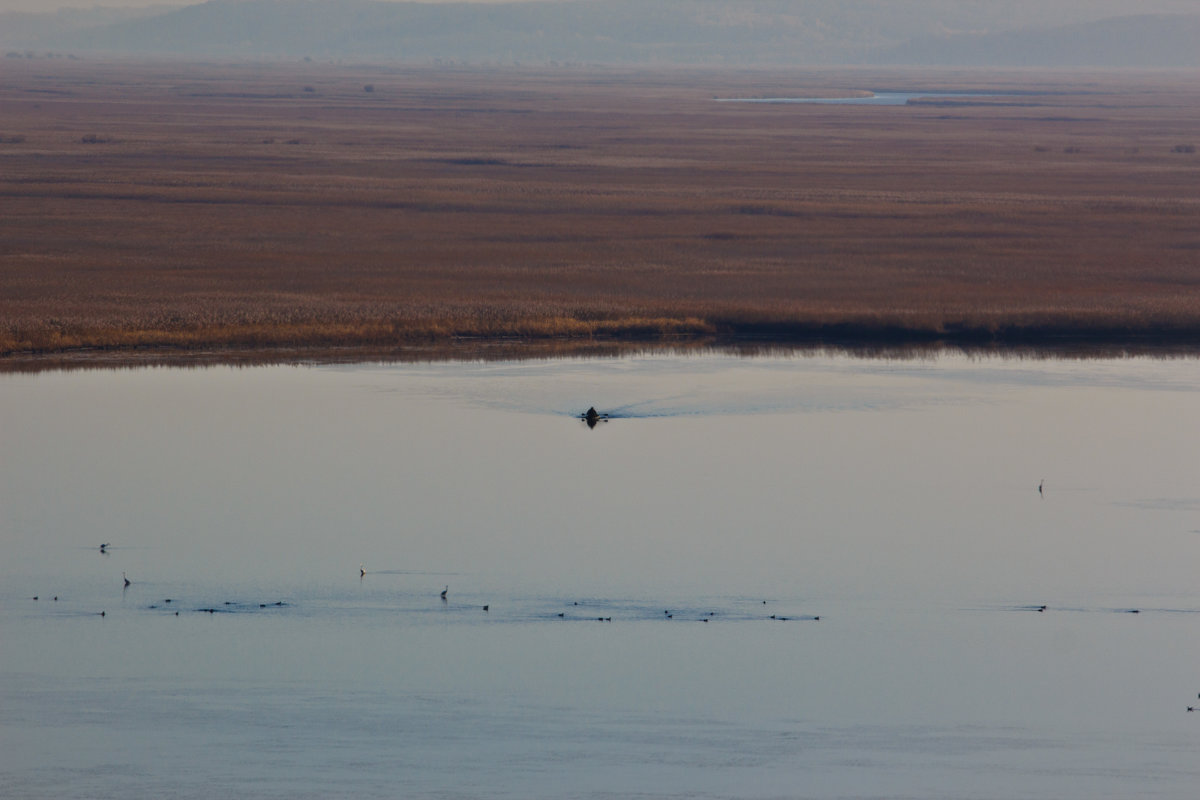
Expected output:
(896, 500)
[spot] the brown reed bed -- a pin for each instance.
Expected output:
(176, 207)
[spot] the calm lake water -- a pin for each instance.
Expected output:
(896, 500)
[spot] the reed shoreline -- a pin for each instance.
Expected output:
(845, 340)
(558, 333)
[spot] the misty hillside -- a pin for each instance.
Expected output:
(1166, 40)
(26, 30)
(734, 32)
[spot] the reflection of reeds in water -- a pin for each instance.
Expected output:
(582, 210)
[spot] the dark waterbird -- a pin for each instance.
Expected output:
(127, 581)
(592, 417)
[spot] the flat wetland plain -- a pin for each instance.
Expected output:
(167, 207)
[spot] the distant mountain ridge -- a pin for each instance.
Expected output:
(1144, 40)
(712, 32)
(27, 29)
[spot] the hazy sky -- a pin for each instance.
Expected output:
(1117, 6)
(51, 5)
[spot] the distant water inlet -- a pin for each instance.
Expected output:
(873, 99)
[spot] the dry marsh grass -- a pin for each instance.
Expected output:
(251, 206)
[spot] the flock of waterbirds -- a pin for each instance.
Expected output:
(443, 596)
(668, 614)
(592, 417)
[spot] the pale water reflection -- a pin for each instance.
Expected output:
(896, 500)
